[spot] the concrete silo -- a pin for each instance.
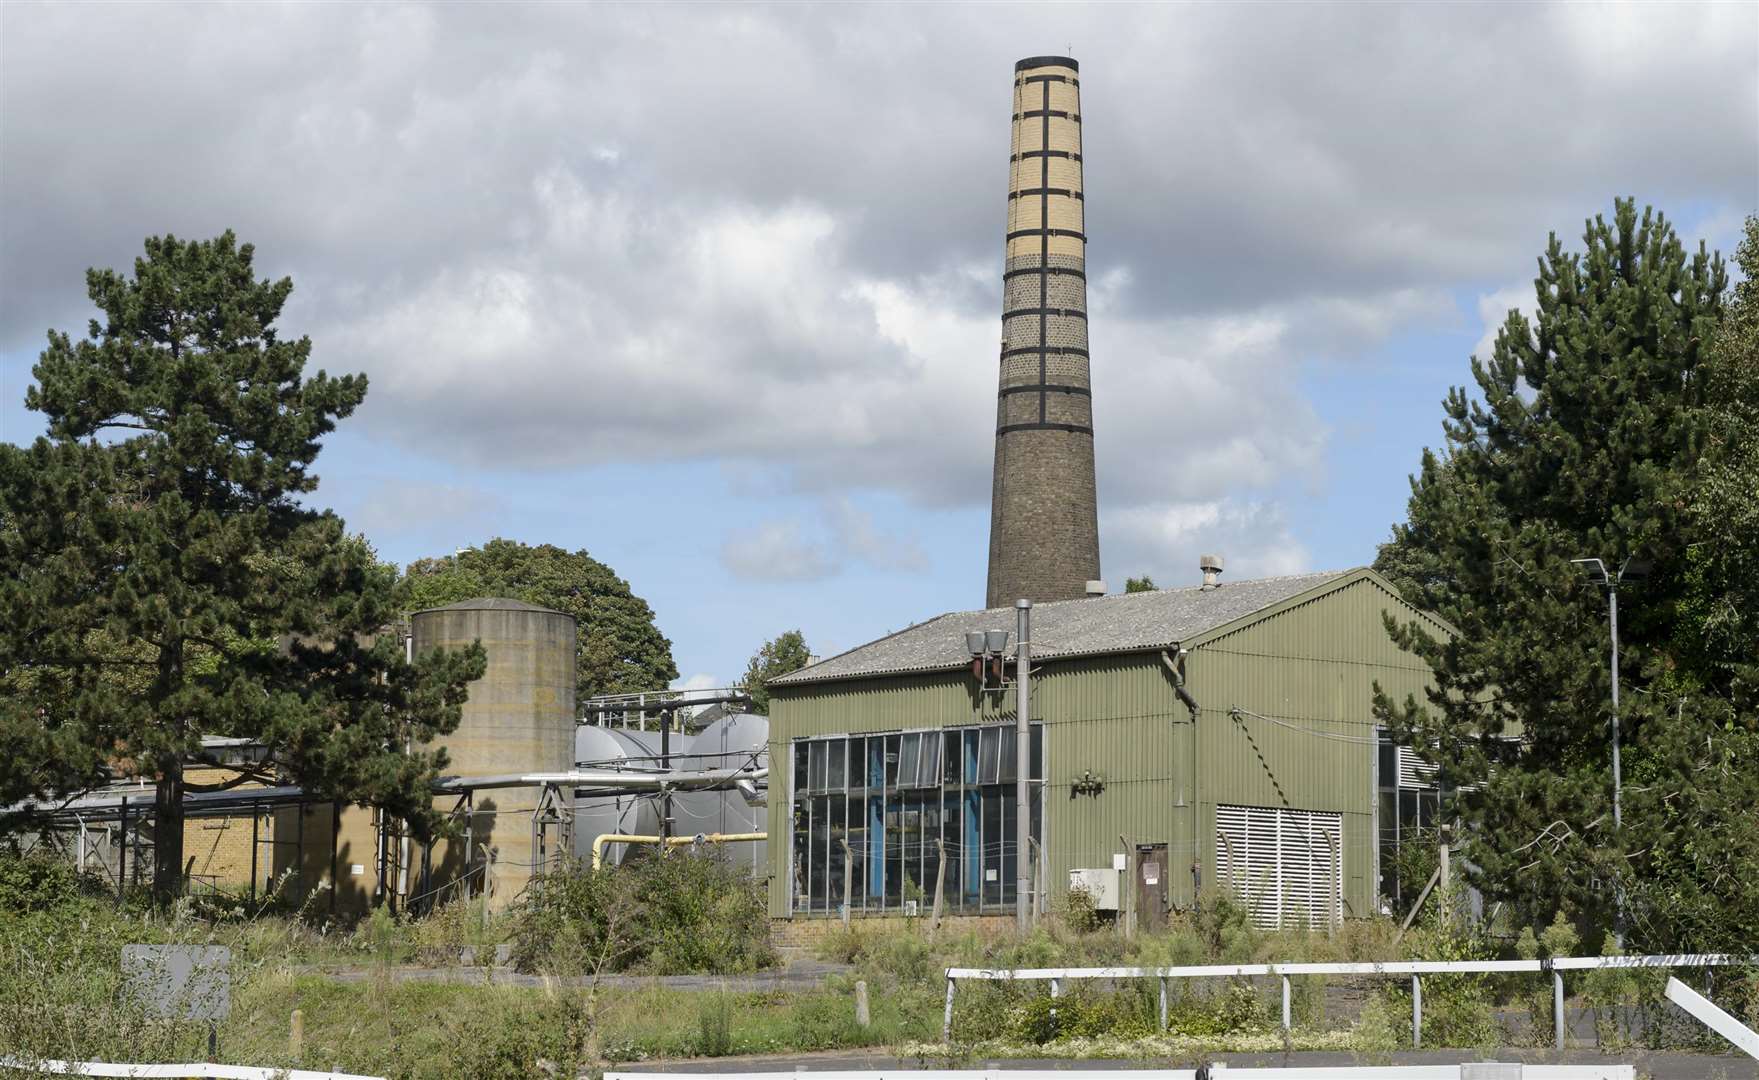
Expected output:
(518, 720)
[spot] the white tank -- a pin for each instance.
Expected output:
(734, 741)
(597, 815)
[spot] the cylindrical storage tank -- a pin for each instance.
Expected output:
(596, 815)
(519, 719)
(738, 741)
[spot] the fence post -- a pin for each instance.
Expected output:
(1056, 992)
(947, 1019)
(1557, 1006)
(1416, 1011)
(1163, 1002)
(1286, 1024)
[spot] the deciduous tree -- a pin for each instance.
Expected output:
(785, 653)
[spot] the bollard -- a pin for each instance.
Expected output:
(947, 1021)
(1286, 1024)
(1416, 1011)
(296, 1036)
(1163, 1002)
(1557, 1006)
(863, 1018)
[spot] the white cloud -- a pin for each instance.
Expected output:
(1493, 312)
(1165, 541)
(776, 551)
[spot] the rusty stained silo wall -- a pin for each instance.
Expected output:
(519, 719)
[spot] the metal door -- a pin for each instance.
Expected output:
(1152, 895)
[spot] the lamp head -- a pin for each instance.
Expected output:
(996, 640)
(974, 642)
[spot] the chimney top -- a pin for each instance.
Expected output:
(1211, 565)
(1096, 588)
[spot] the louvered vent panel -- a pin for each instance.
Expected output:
(1285, 866)
(1414, 772)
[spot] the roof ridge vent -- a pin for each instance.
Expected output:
(1211, 565)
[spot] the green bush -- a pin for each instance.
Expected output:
(42, 880)
(672, 915)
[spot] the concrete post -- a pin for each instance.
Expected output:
(1163, 1003)
(947, 1017)
(1416, 1011)
(1286, 1025)
(863, 1017)
(848, 870)
(1023, 762)
(1557, 1007)
(296, 1035)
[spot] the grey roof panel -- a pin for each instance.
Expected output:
(1122, 623)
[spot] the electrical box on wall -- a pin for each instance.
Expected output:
(1101, 883)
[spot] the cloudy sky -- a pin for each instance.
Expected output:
(714, 291)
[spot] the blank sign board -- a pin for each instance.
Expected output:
(185, 982)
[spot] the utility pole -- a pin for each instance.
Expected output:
(1612, 601)
(1023, 761)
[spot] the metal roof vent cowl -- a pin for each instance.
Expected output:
(1211, 565)
(1096, 588)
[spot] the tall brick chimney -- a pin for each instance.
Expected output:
(1044, 525)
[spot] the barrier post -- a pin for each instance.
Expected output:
(1416, 1011)
(1557, 1007)
(947, 1019)
(1286, 1025)
(1163, 1002)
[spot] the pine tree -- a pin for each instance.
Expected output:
(1585, 442)
(164, 581)
(621, 649)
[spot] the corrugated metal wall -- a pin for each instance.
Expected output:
(1309, 666)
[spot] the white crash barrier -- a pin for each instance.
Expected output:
(173, 1072)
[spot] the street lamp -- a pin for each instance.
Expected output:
(1634, 569)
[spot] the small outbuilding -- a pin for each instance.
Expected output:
(1216, 737)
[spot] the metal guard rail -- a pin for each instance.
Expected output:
(1416, 969)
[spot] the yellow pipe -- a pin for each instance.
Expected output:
(598, 844)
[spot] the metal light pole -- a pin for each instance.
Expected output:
(1023, 761)
(1634, 569)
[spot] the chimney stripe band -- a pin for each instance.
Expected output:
(1076, 233)
(1072, 313)
(1045, 425)
(1022, 155)
(1034, 350)
(1063, 191)
(1082, 274)
(1047, 112)
(1053, 78)
(1054, 388)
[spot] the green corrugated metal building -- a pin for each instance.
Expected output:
(1215, 736)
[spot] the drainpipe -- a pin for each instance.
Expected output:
(599, 842)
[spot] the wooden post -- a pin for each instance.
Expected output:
(122, 855)
(848, 872)
(947, 1018)
(1416, 1011)
(296, 1037)
(940, 880)
(1557, 1007)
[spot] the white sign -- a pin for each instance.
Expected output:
(356, 869)
(1120, 862)
(989, 875)
(1151, 873)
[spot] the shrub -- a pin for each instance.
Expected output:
(672, 915)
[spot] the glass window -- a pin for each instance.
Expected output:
(891, 761)
(815, 770)
(907, 762)
(930, 773)
(1037, 733)
(857, 762)
(1010, 763)
(836, 771)
(800, 771)
(988, 754)
(950, 759)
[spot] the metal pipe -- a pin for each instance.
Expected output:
(1557, 1007)
(599, 842)
(1023, 761)
(1612, 594)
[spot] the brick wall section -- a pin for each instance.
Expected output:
(1044, 528)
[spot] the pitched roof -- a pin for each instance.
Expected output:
(1126, 622)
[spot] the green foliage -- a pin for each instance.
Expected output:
(674, 915)
(42, 880)
(164, 579)
(1139, 584)
(1585, 440)
(714, 1025)
(778, 656)
(1077, 912)
(620, 650)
